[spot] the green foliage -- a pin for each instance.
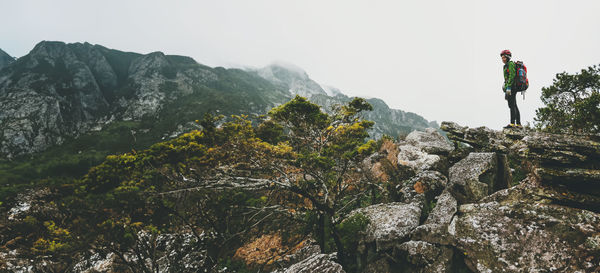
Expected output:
(191, 183)
(429, 206)
(350, 230)
(572, 103)
(59, 239)
(351, 227)
(520, 170)
(270, 132)
(302, 117)
(329, 152)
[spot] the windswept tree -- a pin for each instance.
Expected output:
(307, 154)
(572, 103)
(328, 152)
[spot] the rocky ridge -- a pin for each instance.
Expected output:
(5, 59)
(482, 221)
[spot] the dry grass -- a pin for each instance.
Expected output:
(265, 250)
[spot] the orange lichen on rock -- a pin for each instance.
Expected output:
(420, 187)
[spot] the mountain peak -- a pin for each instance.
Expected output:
(292, 68)
(5, 59)
(291, 77)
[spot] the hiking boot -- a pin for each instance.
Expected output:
(518, 126)
(509, 126)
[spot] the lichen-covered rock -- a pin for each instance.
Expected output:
(430, 141)
(317, 263)
(423, 187)
(434, 230)
(389, 223)
(517, 230)
(481, 138)
(425, 257)
(569, 160)
(419, 160)
(473, 177)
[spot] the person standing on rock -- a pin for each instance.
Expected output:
(510, 93)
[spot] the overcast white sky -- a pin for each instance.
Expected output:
(439, 59)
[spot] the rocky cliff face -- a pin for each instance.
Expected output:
(5, 59)
(61, 90)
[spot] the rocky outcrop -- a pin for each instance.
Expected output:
(435, 227)
(418, 160)
(564, 160)
(476, 176)
(514, 230)
(430, 141)
(425, 150)
(482, 224)
(549, 222)
(389, 223)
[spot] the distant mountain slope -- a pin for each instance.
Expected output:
(5, 59)
(59, 92)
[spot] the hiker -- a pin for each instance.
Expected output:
(510, 92)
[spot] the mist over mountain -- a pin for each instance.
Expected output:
(60, 91)
(387, 121)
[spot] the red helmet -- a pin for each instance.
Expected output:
(506, 52)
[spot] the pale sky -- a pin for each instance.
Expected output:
(439, 59)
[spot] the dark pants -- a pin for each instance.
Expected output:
(515, 116)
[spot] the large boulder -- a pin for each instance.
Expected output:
(430, 141)
(390, 223)
(418, 160)
(423, 187)
(425, 150)
(521, 230)
(476, 176)
(434, 230)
